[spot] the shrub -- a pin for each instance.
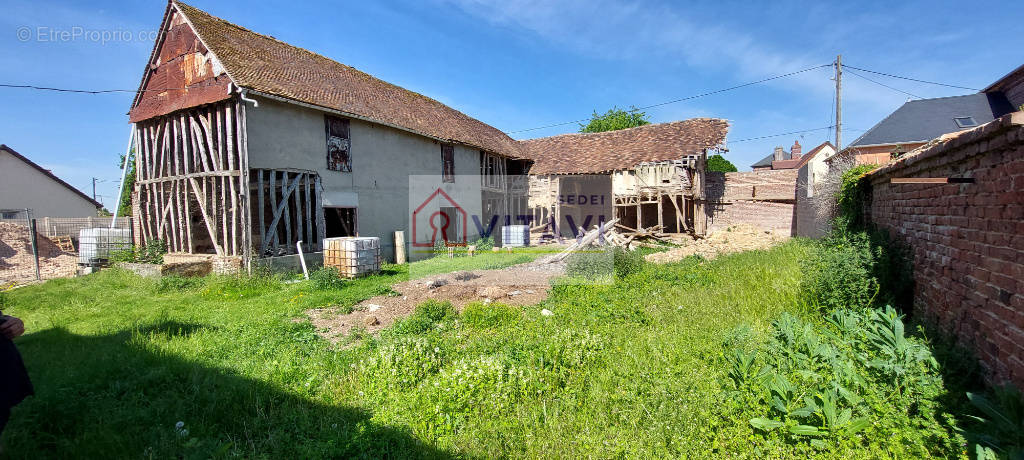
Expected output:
(590, 264)
(484, 244)
(852, 197)
(326, 278)
(999, 432)
(840, 274)
(824, 383)
(627, 262)
(425, 318)
(150, 253)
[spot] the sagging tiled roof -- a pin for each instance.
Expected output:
(623, 149)
(267, 65)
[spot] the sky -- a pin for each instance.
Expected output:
(518, 65)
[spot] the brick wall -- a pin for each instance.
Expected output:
(768, 215)
(967, 240)
(761, 198)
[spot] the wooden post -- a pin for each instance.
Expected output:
(399, 247)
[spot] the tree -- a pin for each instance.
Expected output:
(615, 119)
(129, 184)
(718, 163)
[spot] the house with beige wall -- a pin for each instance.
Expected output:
(26, 185)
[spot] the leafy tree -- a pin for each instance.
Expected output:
(129, 185)
(718, 163)
(615, 119)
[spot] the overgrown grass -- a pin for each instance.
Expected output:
(636, 368)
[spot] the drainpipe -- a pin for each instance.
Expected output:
(241, 93)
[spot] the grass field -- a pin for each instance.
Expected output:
(634, 369)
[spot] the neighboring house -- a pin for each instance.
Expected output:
(919, 121)
(812, 170)
(247, 145)
(26, 185)
(654, 175)
(1011, 86)
(780, 159)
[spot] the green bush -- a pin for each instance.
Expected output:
(840, 274)
(150, 253)
(326, 278)
(853, 195)
(424, 318)
(826, 383)
(484, 244)
(857, 270)
(590, 264)
(627, 262)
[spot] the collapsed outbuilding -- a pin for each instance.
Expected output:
(651, 177)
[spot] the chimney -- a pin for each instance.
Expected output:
(779, 154)
(796, 152)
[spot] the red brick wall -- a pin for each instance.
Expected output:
(967, 240)
(768, 215)
(761, 198)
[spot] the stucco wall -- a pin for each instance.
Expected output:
(284, 135)
(22, 186)
(811, 174)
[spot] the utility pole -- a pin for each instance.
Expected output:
(839, 102)
(94, 189)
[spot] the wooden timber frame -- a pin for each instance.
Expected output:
(288, 210)
(680, 206)
(194, 189)
(191, 188)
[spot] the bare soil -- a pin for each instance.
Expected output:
(737, 238)
(524, 284)
(16, 264)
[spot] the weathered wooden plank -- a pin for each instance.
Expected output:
(320, 223)
(262, 210)
(211, 225)
(287, 200)
(310, 220)
(272, 229)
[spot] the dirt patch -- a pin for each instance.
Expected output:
(737, 238)
(16, 264)
(525, 284)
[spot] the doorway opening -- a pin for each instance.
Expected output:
(340, 221)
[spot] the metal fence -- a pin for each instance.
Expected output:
(47, 252)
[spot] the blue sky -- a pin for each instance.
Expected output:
(522, 64)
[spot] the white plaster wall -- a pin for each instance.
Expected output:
(808, 224)
(22, 186)
(282, 135)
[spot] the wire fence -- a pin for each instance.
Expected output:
(36, 249)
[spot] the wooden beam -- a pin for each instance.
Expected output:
(932, 180)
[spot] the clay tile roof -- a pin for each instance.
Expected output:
(267, 65)
(623, 149)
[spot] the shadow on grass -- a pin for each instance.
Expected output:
(117, 395)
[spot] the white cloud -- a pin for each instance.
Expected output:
(621, 31)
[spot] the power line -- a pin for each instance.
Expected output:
(885, 85)
(98, 91)
(709, 93)
(911, 79)
(777, 135)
